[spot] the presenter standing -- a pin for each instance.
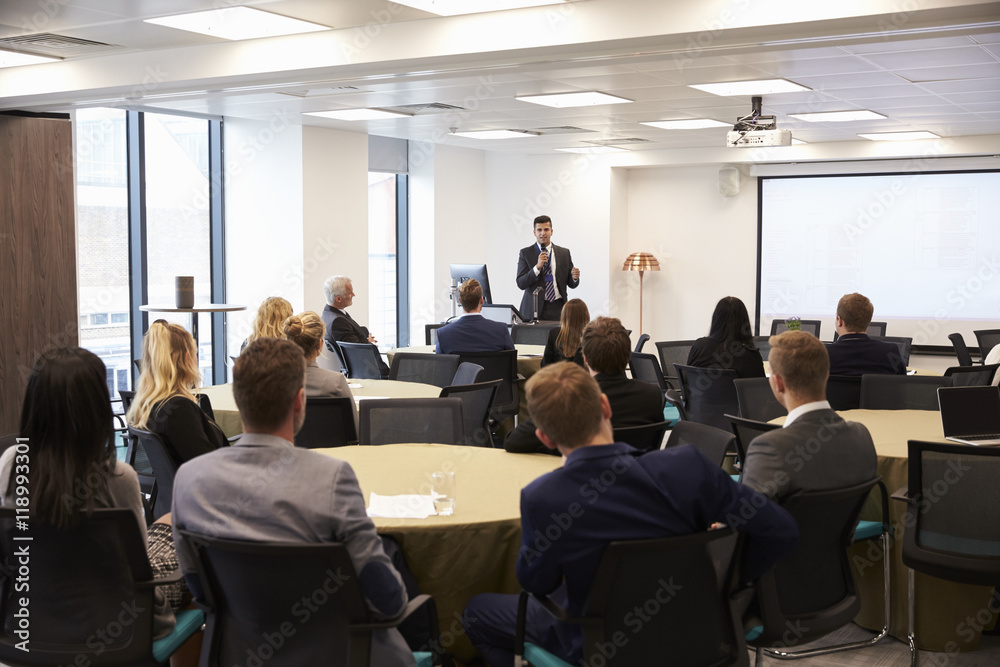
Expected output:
(546, 266)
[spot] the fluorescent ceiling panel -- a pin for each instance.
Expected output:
(237, 23)
(687, 124)
(593, 150)
(566, 100)
(761, 87)
(455, 7)
(357, 114)
(16, 59)
(495, 134)
(899, 136)
(837, 116)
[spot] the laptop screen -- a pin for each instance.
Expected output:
(969, 410)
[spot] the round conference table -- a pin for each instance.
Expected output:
(941, 607)
(227, 416)
(472, 551)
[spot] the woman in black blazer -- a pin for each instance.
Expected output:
(564, 343)
(729, 343)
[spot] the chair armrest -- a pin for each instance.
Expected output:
(901, 494)
(674, 397)
(411, 606)
(162, 580)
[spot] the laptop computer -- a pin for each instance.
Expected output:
(970, 415)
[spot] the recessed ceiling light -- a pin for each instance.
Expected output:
(564, 100)
(761, 87)
(899, 136)
(238, 23)
(593, 150)
(16, 59)
(687, 124)
(357, 114)
(837, 116)
(455, 7)
(495, 134)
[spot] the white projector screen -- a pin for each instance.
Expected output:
(924, 247)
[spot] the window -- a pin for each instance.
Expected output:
(387, 264)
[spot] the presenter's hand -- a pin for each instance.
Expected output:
(542, 258)
(371, 339)
(575, 273)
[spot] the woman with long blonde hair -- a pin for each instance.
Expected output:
(165, 402)
(564, 343)
(270, 319)
(307, 331)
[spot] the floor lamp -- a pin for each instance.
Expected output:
(641, 262)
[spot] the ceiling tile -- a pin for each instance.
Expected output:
(987, 38)
(859, 80)
(964, 86)
(986, 71)
(926, 58)
(887, 46)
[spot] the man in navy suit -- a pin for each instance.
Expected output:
(543, 265)
(605, 492)
(854, 353)
(472, 332)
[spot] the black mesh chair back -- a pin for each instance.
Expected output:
(641, 343)
(164, 468)
(644, 438)
(467, 373)
(961, 350)
(501, 365)
(337, 353)
(531, 334)
(972, 376)
(246, 600)
(435, 369)
(763, 345)
(134, 455)
(745, 430)
(673, 352)
(477, 400)
(687, 579)
(329, 423)
(393, 420)
(205, 403)
(901, 392)
(646, 368)
(811, 588)
(844, 392)
(710, 441)
(756, 400)
(360, 360)
(902, 342)
(709, 394)
(781, 326)
(988, 339)
(430, 333)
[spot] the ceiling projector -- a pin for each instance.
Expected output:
(757, 130)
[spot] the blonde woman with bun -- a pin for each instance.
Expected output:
(307, 331)
(271, 316)
(165, 402)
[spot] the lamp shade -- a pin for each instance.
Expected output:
(641, 261)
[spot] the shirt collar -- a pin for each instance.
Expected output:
(806, 408)
(598, 451)
(262, 439)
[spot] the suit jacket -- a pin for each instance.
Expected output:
(816, 452)
(321, 382)
(341, 326)
(667, 492)
(266, 489)
(553, 354)
(709, 353)
(186, 430)
(528, 281)
(633, 403)
(857, 354)
(473, 333)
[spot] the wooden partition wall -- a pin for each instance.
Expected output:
(38, 299)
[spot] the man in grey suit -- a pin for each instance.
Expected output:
(544, 266)
(265, 489)
(817, 449)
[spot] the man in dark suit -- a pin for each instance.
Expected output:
(340, 326)
(606, 352)
(543, 265)
(605, 492)
(817, 449)
(854, 353)
(472, 332)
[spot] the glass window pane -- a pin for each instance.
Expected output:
(382, 258)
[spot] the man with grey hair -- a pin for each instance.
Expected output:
(340, 326)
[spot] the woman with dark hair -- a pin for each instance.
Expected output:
(66, 424)
(564, 343)
(729, 343)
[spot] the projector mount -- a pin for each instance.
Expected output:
(755, 129)
(754, 121)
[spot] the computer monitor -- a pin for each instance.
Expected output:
(462, 272)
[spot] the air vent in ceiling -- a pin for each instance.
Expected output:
(429, 107)
(321, 91)
(49, 44)
(618, 142)
(562, 129)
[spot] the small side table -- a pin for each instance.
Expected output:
(204, 308)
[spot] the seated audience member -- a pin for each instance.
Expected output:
(663, 493)
(606, 352)
(817, 449)
(340, 326)
(285, 493)
(68, 428)
(307, 331)
(472, 332)
(854, 353)
(164, 402)
(994, 358)
(565, 343)
(729, 343)
(271, 315)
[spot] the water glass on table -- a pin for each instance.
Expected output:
(443, 484)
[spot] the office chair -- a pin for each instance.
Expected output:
(395, 420)
(901, 392)
(756, 400)
(329, 422)
(971, 376)
(477, 401)
(673, 352)
(434, 369)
